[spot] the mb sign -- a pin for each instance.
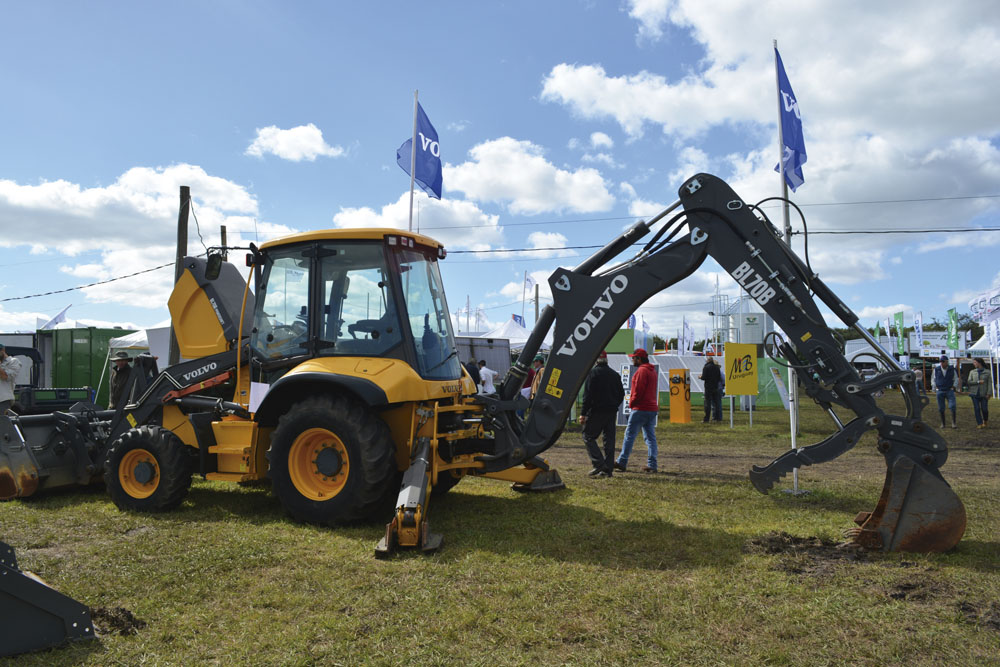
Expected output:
(741, 369)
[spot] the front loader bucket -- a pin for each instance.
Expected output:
(18, 472)
(917, 512)
(34, 616)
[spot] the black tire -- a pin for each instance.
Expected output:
(446, 482)
(148, 469)
(357, 475)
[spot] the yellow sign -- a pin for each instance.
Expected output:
(553, 386)
(741, 369)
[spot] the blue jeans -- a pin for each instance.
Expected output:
(979, 406)
(949, 395)
(645, 420)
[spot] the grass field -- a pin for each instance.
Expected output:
(688, 566)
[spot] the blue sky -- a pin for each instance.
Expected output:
(560, 123)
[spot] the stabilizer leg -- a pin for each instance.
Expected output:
(410, 527)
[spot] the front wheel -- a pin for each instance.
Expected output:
(147, 469)
(332, 461)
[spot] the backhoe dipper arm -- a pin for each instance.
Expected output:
(588, 309)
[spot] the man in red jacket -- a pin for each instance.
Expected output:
(644, 405)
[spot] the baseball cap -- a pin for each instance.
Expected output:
(602, 355)
(639, 352)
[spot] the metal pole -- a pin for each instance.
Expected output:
(182, 243)
(793, 383)
(222, 234)
(536, 302)
(413, 156)
(524, 284)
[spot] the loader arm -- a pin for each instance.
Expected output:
(918, 511)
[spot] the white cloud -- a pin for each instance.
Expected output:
(547, 240)
(304, 142)
(881, 312)
(872, 132)
(131, 225)
(651, 14)
(691, 160)
(459, 225)
(517, 174)
(602, 158)
(459, 125)
(601, 140)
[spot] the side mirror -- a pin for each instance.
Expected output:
(213, 267)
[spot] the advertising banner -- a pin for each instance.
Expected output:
(741, 369)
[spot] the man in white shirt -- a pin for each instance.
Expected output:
(9, 368)
(487, 375)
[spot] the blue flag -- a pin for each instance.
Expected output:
(428, 162)
(631, 322)
(791, 130)
(518, 319)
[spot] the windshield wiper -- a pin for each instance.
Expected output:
(454, 353)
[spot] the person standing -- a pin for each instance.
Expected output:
(711, 375)
(980, 384)
(488, 376)
(644, 405)
(9, 368)
(473, 370)
(944, 387)
(539, 365)
(602, 394)
(119, 378)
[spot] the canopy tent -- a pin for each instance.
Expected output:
(982, 345)
(517, 335)
(133, 341)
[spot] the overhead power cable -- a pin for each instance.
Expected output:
(79, 287)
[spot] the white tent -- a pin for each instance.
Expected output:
(517, 335)
(982, 345)
(135, 341)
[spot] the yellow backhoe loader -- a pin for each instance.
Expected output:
(333, 371)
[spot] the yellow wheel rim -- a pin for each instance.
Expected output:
(318, 464)
(139, 474)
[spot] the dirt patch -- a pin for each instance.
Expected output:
(138, 530)
(812, 556)
(986, 616)
(115, 620)
(917, 591)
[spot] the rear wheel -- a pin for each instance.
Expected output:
(332, 461)
(447, 479)
(147, 469)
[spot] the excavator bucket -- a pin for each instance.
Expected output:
(917, 512)
(34, 616)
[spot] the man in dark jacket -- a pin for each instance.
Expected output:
(119, 378)
(711, 375)
(944, 385)
(473, 368)
(602, 394)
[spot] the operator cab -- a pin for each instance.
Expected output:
(358, 293)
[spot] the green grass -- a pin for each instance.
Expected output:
(637, 569)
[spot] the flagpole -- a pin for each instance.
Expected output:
(413, 156)
(793, 385)
(524, 283)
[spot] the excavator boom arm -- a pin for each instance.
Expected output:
(918, 510)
